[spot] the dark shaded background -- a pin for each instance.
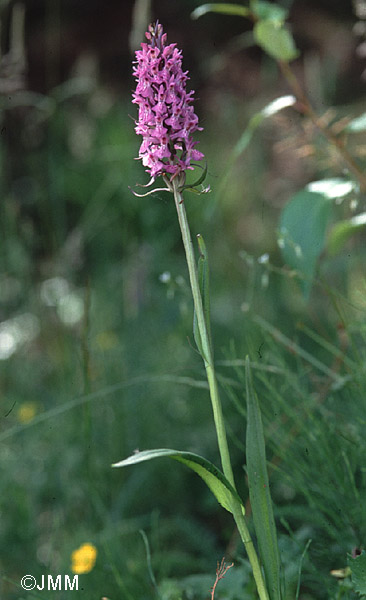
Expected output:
(57, 32)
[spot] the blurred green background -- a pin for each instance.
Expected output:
(96, 344)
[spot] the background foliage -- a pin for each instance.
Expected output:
(96, 348)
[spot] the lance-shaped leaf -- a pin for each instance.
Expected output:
(220, 7)
(259, 493)
(257, 119)
(335, 188)
(211, 475)
(357, 125)
(246, 137)
(203, 279)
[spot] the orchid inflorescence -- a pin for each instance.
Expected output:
(166, 118)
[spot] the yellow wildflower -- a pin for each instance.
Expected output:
(26, 412)
(106, 340)
(83, 559)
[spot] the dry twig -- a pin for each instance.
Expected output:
(222, 569)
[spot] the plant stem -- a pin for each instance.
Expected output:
(206, 346)
(251, 552)
(214, 391)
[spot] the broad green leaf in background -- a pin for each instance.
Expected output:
(303, 226)
(343, 230)
(211, 475)
(358, 572)
(268, 11)
(259, 492)
(275, 39)
(220, 7)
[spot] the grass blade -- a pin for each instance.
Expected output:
(148, 559)
(300, 569)
(259, 492)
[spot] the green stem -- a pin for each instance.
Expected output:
(251, 551)
(206, 346)
(214, 391)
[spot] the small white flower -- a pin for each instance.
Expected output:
(263, 260)
(165, 277)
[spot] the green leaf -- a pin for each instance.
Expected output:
(204, 281)
(334, 188)
(204, 284)
(225, 9)
(259, 492)
(247, 135)
(197, 335)
(356, 125)
(358, 572)
(211, 475)
(303, 225)
(257, 119)
(342, 231)
(268, 10)
(275, 39)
